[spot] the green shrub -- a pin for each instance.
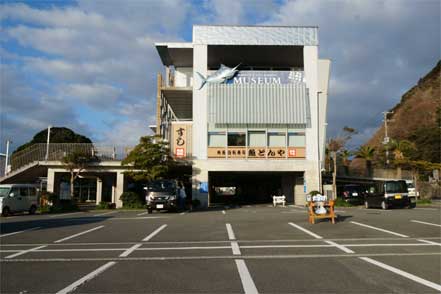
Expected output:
(132, 200)
(313, 193)
(341, 203)
(63, 206)
(105, 205)
(424, 201)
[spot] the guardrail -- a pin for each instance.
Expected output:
(57, 151)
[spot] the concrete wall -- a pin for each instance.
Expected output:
(183, 77)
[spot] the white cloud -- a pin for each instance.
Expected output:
(96, 95)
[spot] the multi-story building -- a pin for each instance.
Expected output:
(246, 107)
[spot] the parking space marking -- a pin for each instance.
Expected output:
(247, 281)
(24, 251)
(306, 231)
(18, 232)
(130, 250)
(154, 233)
(182, 213)
(64, 214)
(429, 242)
(379, 229)
(223, 211)
(403, 273)
(425, 223)
(235, 248)
(79, 234)
(341, 247)
(230, 232)
(86, 278)
(106, 213)
(143, 213)
(428, 208)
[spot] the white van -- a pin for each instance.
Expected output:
(18, 198)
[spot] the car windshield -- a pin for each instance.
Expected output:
(4, 191)
(161, 186)
(410, 186)
(396, 187)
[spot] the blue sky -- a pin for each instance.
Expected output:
(91, 65)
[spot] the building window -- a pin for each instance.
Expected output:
(296, 140)
(236, 139)
(216, 139)
(256, 139)
(276, 139)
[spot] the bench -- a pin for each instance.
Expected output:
(279, 200)
(329, 205)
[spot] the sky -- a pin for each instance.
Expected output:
(91, 65)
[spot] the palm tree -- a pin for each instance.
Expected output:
(344, 155)
(367, 153)
(401, 148)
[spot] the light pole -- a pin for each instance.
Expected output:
(48, 140)
(6, 155)
(318, 143)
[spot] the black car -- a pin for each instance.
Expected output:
(353, 194)
(387, 194)
(161, 195)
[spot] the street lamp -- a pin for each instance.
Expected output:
(319, 167)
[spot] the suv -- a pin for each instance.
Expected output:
(353, 194)
(18, 198)
(161, 195)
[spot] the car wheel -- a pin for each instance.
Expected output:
(6, 211)
(384, 205)
(32, 210)
(412, 205)
(150, 211)
(366, 205)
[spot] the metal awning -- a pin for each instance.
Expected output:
(258, 104)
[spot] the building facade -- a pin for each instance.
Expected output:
(246, 107)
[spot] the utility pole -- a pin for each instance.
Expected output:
(318, 143)
(6, 155)
(386, 137)
(48, 140)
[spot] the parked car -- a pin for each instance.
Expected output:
(161, 195)
(18, 198)
(387, 194)
(353, 194)
(411, 189)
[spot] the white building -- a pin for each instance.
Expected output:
(256, 133)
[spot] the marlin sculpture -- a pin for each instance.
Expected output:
(220, 76)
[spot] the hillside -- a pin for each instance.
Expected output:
(417, 118)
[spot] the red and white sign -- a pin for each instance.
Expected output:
(292, 153)
(180, 152)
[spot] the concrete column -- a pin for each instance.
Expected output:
(200, 57)
(119, 189)
(99, 190)
(50, 180)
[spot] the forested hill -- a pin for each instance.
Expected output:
(417, 118)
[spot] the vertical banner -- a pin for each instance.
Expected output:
(179, 140)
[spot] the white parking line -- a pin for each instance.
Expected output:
(230, 232)
(381, 230)
(182, 213)
(130, 250)
(13, 233)
(144, 213)
(79, 234)
(429, 242)
(341, 247)
(106, 213)
(428, 208)
(235, 248)
(403, 273)
(247, 281)
(223, 211)
(24, 251)
(306, 231)
(86, 278)
(64, 214)
(154, 233)
(425, 223)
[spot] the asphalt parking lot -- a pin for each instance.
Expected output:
(249, 249)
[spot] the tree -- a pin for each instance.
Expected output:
(57, 135)
(149, 160)
(367, 153)
(401, 148)
(344, 155)
(335, 145)
(76, 162)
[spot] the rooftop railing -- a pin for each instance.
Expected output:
(57, 151)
